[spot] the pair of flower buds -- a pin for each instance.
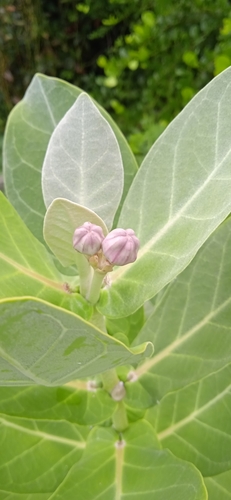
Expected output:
(119, 247)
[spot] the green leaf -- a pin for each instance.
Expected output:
(221, 62)
(78, 403)
(219, 486)
(70, 465)
(190, 59)
(36, 455)
(28, 131)
(129, 326)
(77, 161)
(194, 423)
(26, 267)
(119, 470)
(43, 344)
(181, 193)
(61, 220)
(191, 325)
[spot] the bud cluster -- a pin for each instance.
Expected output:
(119, 247)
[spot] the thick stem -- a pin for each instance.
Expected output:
(110, 379)
(85, 274)
(119, 419)
(94, 291)
(113, 385)
(98, 320)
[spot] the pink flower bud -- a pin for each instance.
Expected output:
(88, 238)
(120, 246)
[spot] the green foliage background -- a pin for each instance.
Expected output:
(143, 60)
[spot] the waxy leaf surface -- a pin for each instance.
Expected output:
(47, 345)
(36, 455)
(180, 194)
(78, 402)
(61, 220)
(26, 267)
(194, 422)
(219, 487)
(83, 163)
(93, 466)
(28, 131)
(191, 326)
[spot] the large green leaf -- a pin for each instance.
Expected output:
(191, 325)
(181, 193)
(219, 487)
(194, 422)
(28, 131)
(36, 455)
(77, 163)
(78, 403)
(26, 268)
(103, 468)
(46, 345)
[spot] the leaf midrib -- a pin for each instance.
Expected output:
(178, 342)
(43, 435)
(173, 428)
(32, 274)
(148, 246)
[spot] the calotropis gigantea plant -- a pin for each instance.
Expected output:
(89, 409)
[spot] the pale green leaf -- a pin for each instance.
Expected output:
(70, 465)
(191, 326)
(61, 220)
(219, 487)
(26, 267)
(181, 193)
(46, 345)
(78, 402)
(83, 163)
(194, 422)
(28, 131)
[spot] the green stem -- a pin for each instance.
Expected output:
(85, 274)
(119, 419)
(98, 320)
(110, 379)
(94, 292)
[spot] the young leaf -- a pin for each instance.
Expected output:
(194, 423)
(181, 193)
(61, 220)
(46, 345)
(29, 129)
(78, 403)
(191, 326)
(26, 267)
(83, 162)
(219, 487)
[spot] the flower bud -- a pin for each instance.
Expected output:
(120, 246)
(88, 238)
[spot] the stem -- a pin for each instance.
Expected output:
(94, 292)
(98, 320)
(119, 419)
(85, 274)
(110, 379)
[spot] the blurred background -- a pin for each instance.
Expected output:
(143, 60)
